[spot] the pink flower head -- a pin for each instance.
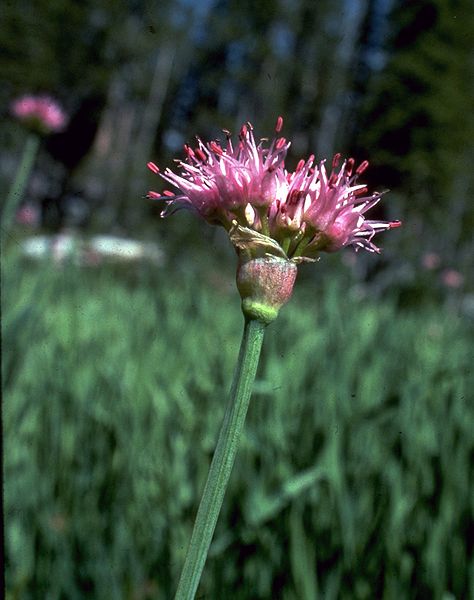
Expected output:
(247, 186)
(430, 261)
(41, 113)
(29, 215)
(452, 278)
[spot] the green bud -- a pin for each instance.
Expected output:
(265, 285)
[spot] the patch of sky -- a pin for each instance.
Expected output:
(375, 53)
(282, 39)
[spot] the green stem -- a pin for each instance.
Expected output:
(263, 214)
(286, 244)
(223, 460)
(21, 179)
(303, 242)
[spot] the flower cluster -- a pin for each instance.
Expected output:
(247, 186)
(40, 113)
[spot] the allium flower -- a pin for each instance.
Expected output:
(430, 260)
(452, 278)
(247, 190)
(29, 214)
(40, 113)
(275, 218)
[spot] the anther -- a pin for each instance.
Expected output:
(200, 154)
(153, 167)
(280, 143)
(168, 193)
(214, 146)
(335, 160)
(300, 165)
(279, 124)
(153, 195)
(189, 151)
(394, 224)
(362, 167)
(349, 166)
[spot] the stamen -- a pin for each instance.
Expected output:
(335, 160)
(362, 167)
(214, 146)
(200, 154)
(153, 195)
(279, 124)
(295, 196)
(349, 166)
(280, 143)
(243, 132)
(189, 151)
(394, 224)
(300, 165)
(153, 167)
(168, 193)
(361, 191)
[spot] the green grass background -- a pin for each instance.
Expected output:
(355, 474)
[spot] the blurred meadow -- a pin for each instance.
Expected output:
(120, 330)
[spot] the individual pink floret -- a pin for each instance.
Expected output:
(306, 210)
(41, 113)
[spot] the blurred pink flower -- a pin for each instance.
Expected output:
(306, 211)
(452, 278)
(41, 113)
(28, 214)
(430, 260)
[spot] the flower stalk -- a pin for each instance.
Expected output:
(18, 186)
(223, 459)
